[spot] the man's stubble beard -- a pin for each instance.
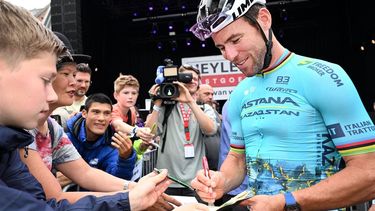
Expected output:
(258, 64)
(80, 93)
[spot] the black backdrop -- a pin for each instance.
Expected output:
(329, 30)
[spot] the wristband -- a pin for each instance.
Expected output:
(135, 129)
(126, 185)
(156, 108)
(134, 132)
(291, 203)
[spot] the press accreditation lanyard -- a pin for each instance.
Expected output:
(186, 117)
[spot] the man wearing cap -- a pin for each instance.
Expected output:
(83, 82)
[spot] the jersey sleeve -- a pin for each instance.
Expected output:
(237, 143)
(330, 90)
(13, 199)
(224, 136)
(119, 167)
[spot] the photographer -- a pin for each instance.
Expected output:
(180, 126)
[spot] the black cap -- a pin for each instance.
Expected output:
(76, 58)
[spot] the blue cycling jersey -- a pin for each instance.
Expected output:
(295, 122)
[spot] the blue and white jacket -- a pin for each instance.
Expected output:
(99, 154)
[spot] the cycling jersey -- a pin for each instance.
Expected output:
(295, 122)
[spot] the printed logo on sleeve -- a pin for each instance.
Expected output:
(94, 162)
(323, 70)
(335, 131)
(359, 128)
(304, 62)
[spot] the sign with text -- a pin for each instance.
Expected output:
(219, 73)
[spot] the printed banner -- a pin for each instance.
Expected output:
(219, 73)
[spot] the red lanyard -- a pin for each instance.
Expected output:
(186, 117)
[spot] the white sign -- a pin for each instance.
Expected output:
(137, 171)
(219, 73)
(147, 104)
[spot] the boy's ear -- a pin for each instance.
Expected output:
(84, 113)
(115, 94)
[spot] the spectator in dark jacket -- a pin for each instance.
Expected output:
(95, 140)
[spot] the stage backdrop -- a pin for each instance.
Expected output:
(221, 74)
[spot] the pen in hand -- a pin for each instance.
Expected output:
(205, 167)
(206, 173)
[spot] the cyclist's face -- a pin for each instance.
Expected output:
(242, 44)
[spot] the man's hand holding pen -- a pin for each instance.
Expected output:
(208, 188)
(207, 174)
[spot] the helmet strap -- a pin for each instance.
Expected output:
(268, 42)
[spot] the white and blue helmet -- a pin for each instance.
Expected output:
(214, 15)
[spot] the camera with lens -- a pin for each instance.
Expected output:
(166, 75)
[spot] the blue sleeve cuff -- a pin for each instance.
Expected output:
(130, 160)
(126, 166)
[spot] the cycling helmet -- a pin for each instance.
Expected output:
(213, 15)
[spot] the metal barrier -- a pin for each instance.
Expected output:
(149, 161)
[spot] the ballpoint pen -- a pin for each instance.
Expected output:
(205, 167)
(206, 172)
